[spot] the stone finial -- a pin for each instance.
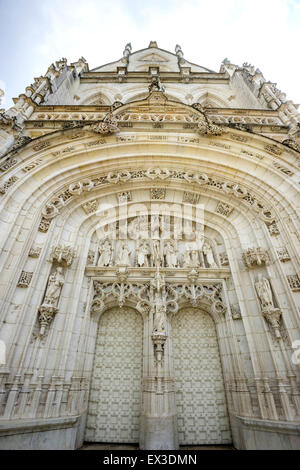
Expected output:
(152, 44)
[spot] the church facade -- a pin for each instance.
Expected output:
(150, 276)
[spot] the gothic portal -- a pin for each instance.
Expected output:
(150, 240)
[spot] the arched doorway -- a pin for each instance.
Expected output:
(114, 404)
(199, 389)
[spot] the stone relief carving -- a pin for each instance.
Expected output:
(294, 281)
(158, 193)
(224, 209)
(143, 295)
(271, 313)
(143, 253)
(283, 254)
(49, 307)
(106, 252)
(273, 228)
(190, 198)
(35, 251)
(90, 207)
(124, 197)
(62, 254)
(25, 279)
(235, 312)
(123, 254)
(9, 163)
(7, 184)
(44, 225)
(207, 251)
(170, 253)
(52, 209)
(109, 125)
(224, 259)
(255, 257)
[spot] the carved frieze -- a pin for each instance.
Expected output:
(51, 210)
(142, 295)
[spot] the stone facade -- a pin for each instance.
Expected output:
(150, 257)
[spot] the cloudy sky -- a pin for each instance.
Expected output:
(35, 33)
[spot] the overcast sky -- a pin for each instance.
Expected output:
(35, 33)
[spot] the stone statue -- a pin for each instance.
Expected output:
(194, 259)
(156, 256)
(143, 254)
(159, 322)
(54, 287)
(171, 255)
(209, 255)
(155, 226)
(186, 260)
(105, 251)
(123, 253)
(264, 292)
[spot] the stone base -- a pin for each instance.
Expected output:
(158, 433)
(42, 434)
(258, 434)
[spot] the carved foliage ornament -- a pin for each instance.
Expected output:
(109, 125)
(143, 296)
(62, 254)
(255, 257)
(51, 210)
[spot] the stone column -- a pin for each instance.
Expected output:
(158, 415)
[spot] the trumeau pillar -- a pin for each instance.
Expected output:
(158, 415)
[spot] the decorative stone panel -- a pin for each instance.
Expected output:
(190, 198)
(25, 279)
(90, 206)
(158, 193)
(224, 209)
(44, 225)
(294, 281)
(283, 254)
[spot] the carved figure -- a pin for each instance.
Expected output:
(55, 283)
(123, 253)
(105, 251)
(171, 255)
(264, 292)
(143, 254)
(209, 255)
